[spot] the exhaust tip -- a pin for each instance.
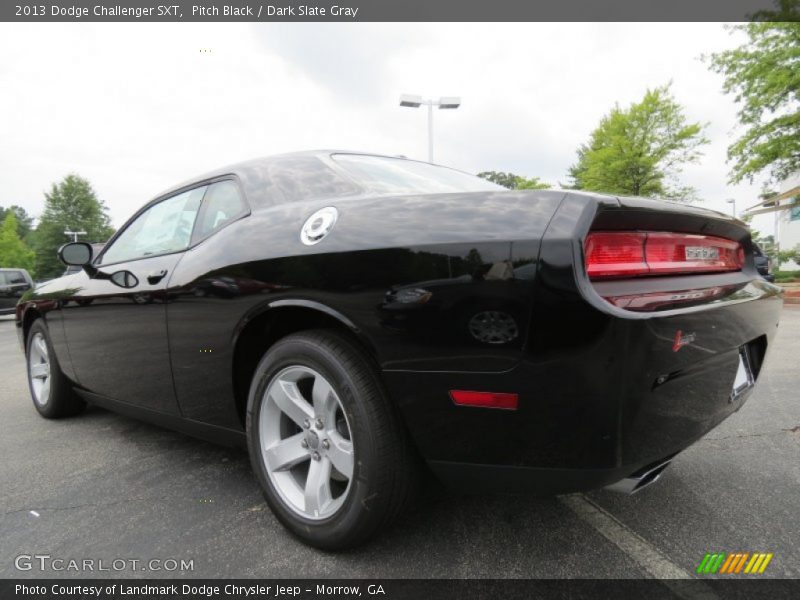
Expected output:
(640, 479)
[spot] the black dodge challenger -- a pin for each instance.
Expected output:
(353, 319)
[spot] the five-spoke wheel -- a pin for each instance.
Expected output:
(325, 442)
(306, 441)
(52, 393)
(39, 369)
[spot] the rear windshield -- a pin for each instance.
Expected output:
(400, 176)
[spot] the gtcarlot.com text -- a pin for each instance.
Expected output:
(47, 562)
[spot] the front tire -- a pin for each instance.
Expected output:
(325, 442)
(51, 391)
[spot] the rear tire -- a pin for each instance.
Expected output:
(51, 391)
(299, 385)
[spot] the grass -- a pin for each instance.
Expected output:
(786, 276)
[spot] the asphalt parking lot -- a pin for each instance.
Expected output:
(102, 486)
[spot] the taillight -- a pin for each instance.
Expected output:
(644, 253)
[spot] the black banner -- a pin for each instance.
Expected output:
(396, 589)
(390, 10)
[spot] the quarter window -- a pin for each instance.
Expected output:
(222, 204)
(163, 228)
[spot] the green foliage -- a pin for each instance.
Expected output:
(531, 183)
(636, 150)
(785, 256)
(70, 205)
(765, 242)
(764, 76)
(788, 10)
(514, 182)
(786, 276)
(13, 251)
(24, 220)
(507, 180)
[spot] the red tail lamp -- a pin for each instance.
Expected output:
(621, 254)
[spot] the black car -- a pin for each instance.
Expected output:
(13, 284)
(763, 263)
(353, 319)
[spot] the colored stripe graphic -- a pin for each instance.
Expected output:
(711, 562)
(764, 564)
(734, 563)
(727, 564)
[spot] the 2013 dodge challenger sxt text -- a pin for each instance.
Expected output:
(354, 318)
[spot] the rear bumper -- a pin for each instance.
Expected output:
(472, 478)
(601, 396)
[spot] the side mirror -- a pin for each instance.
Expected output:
(124, 279)
(75, 254)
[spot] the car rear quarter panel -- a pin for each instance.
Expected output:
(449, 243)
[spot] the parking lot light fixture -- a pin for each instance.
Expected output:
(445, 102)
(74, 234)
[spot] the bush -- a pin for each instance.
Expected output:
(786, 276)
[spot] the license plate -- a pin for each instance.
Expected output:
(744, 377)
(701, 253)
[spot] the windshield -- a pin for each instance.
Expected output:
(401, 176)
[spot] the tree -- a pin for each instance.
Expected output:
(13, 251)
(531, 183)
(24, 220)
(514, 182)
(785, 256)
(637, 150)
(764, 76)
(788, 10)
(70, 205)
(765, 242)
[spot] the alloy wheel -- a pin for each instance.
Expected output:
(306, 444)
(39, 369)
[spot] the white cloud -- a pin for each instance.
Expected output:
(138, 107)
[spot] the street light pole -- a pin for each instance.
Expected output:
(447, 102)
(430, 131)
(733, 202)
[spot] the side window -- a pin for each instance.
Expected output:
(164, 227)
(3, 280)
(15, 277)
(222, 204)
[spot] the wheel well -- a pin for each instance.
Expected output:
(265, 330)
(27, 320)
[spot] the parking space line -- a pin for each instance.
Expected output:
(642, 552)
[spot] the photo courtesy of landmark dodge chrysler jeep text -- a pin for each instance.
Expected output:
(353, 319)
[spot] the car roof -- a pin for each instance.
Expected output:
(254, 173)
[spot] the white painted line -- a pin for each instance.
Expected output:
(638, 549)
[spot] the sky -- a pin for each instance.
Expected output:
(136, 108)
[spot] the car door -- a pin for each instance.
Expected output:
(117, 336)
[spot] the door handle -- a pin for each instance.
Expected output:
(156, 276)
